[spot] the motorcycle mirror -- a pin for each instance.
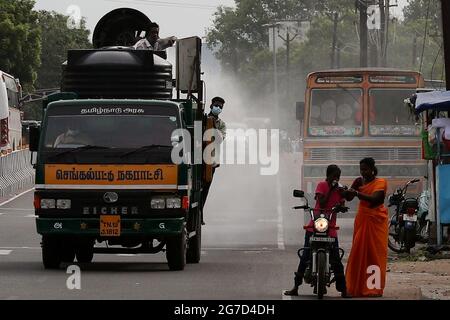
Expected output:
(299, 194)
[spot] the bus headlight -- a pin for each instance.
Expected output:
(173, 203)
(158, 203)
(321, 225)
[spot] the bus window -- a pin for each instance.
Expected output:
(335, 112)
(390, 116)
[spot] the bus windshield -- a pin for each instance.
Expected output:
(388, 114)
(335, 112)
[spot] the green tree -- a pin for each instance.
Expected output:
(57, 38)
(238, 33)
(20, 44)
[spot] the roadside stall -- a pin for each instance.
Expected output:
(434, 110)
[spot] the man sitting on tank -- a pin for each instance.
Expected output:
(152, 41)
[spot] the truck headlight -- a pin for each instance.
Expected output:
(48, 203)
(63, 204)
(158, 203)
(173, 203)
(321, 225)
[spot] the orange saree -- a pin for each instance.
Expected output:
(366, 266)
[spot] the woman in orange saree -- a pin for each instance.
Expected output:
(366, 266)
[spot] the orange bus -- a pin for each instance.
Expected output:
(350, 114)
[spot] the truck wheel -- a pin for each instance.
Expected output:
(67, 251)
(85, 253)
(176, 251)
(51, 252)
(321, 281)
(195, 246)
(68, 255)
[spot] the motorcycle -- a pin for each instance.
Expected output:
(403, 224)
(423, 227)
(319, 272)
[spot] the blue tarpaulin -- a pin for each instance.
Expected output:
(443, 178)
(435, 100)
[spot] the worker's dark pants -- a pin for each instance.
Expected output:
(335, 261)
(206, 187)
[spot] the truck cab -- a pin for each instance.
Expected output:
(106, 179)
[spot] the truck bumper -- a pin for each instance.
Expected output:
(91, 226)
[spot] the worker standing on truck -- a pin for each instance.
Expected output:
(216, 108)
(152, 41)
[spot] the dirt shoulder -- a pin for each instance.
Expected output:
(418, 276)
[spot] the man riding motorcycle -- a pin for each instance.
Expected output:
(327, 195)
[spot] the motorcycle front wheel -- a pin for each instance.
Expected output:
(395, 240)
(321, 274)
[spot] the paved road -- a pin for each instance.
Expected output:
(249, 248)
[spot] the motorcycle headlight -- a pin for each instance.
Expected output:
(321, 225)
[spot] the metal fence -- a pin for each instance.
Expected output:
(16, 172)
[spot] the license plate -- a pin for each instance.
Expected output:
(319, 239)
(110, 226)
(409, 218)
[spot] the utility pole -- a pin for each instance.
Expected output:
(288, 41)
(362, 5)
(275, 71)
(333, 46)
(445, 7)
(383, 31)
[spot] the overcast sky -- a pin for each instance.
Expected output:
(176, 17)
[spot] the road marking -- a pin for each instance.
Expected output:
(30, 216)
(280, 216)
(268, 220)
(15, 197)
(5, 252)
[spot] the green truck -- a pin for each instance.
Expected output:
(106, 181)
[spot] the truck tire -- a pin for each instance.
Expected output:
(321, 276)
(195, 246)
(85, 252)
(176, 251)
(51, 252)
(68, 255)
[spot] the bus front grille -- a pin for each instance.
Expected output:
(352, 154)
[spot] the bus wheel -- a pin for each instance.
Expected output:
(51, 252)
(176, 251)
(195, 246)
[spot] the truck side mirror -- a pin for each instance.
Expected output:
(35, 133)
(299, 194)
(300, 110)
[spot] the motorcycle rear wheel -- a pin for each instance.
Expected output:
(394, 241)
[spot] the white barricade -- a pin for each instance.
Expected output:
(16, 173)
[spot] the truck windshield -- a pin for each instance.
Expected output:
(388, 114)
(109, 131)
(335, 112)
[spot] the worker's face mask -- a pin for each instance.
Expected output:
(216, 110)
